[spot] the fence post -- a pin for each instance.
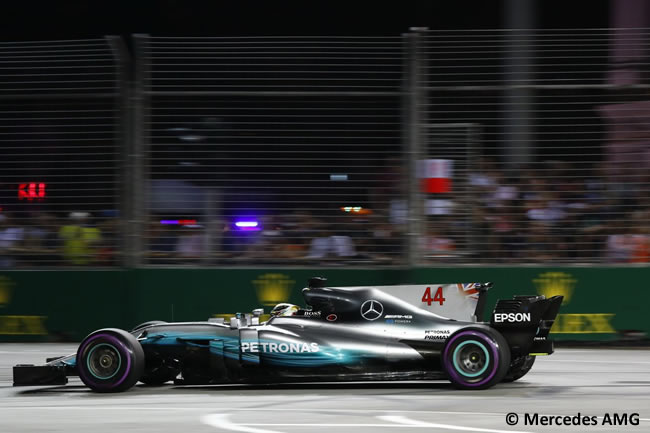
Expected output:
(519, 75)
(413, 121)
(141, 183)
(124, 138)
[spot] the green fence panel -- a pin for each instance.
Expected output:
(600, 303)
(61, 305)
(191, 294)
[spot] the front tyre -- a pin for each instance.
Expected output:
(110, 360)
(476, 358)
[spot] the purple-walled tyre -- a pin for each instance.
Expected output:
(110, 360)
(476, 358)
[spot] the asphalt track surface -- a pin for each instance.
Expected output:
(592, 382)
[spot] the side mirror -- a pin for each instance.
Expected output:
(483, 287)
(316, 282)
(258, 312)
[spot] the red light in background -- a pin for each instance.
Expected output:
(31, 191)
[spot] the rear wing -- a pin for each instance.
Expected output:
(526, 321)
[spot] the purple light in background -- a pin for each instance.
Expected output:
(247, 225)
(185, 223)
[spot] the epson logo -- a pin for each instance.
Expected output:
(511, 317)
(255, 347)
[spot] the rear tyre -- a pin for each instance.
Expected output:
(519, 368)
(110, 360)
(476, 358)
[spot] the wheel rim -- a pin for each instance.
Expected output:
(471, 358)
(493, 365)
(104, 361)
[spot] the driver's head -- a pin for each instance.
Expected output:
(284, 309)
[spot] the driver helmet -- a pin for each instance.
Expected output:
(284, 309)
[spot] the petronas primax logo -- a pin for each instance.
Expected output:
(273, 288)
(555, 283)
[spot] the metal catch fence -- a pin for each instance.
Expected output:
(434, 147)
(273, 150)
(559, 172)
(60, 153)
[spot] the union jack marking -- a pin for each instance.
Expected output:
(468, 289)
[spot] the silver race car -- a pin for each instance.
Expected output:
(343, 334)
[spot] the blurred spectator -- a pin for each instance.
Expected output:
(388, 186)
(630, 243)
(505, 191)
(319, 247)
(109, 227)
(505, 224)
(387, 240)
(484, 178)
(11, 242)
(161, 242)
(80, 240)
(231, 242)
(549, 212)
(190, 246)
(436, 244)
(267, 245)
(41, 240)
(555, 211)
(619, 245)
(328, 246)
(539, 243)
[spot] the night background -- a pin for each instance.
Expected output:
(469, 181)
(81, 19)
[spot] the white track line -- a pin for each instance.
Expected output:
(222, 421)
(257, 409)
(413, 423)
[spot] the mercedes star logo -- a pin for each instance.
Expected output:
(371, 310)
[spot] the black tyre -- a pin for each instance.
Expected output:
(110, 360)
(476, 358)
(519, 368)
(147, 324)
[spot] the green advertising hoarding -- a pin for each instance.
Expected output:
(599, 303)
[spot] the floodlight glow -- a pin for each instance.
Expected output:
(358, 210)
(246, 224)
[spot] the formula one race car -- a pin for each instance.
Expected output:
(345, 334)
